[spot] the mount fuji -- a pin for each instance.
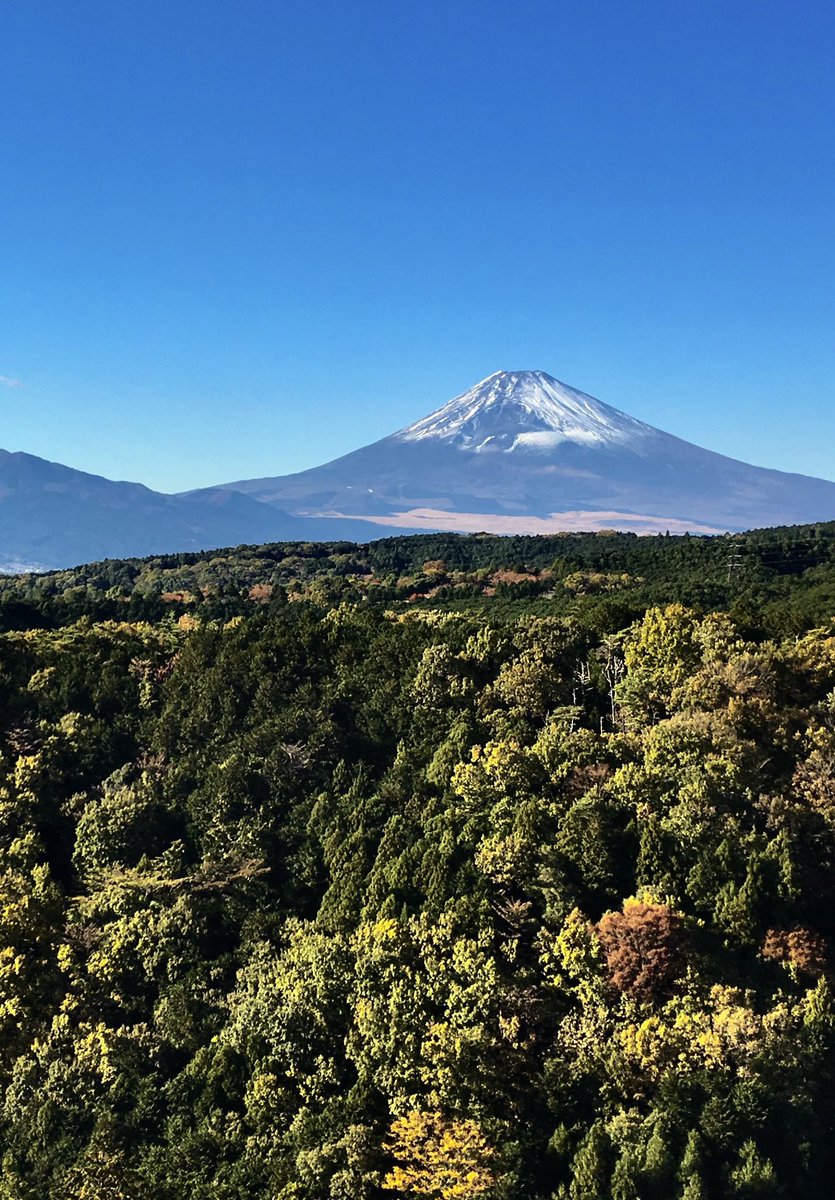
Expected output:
(518, 453)
(523, 453)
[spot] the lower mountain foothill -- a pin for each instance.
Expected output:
(430, 867)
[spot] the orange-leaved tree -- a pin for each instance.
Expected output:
(644, 949)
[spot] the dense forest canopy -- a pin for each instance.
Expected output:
(774, 579)
(441, 867)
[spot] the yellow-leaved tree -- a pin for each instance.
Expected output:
(439, 1158)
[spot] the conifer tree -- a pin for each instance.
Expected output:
(591, 1167)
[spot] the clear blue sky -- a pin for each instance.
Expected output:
(241, 238)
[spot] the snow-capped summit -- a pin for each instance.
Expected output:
(525, 410)
(523, 453)
(518, 453)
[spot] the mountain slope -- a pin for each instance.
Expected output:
(522, 452)
(55, 516)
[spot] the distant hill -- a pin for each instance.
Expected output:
(54, 516)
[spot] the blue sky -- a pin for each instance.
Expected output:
(239, 239)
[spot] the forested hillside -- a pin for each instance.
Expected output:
(774, 580)
(440, 867)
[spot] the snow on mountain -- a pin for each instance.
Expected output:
(523, 453)
(518, 453)
(528, 411)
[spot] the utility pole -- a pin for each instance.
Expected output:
(734, 564)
